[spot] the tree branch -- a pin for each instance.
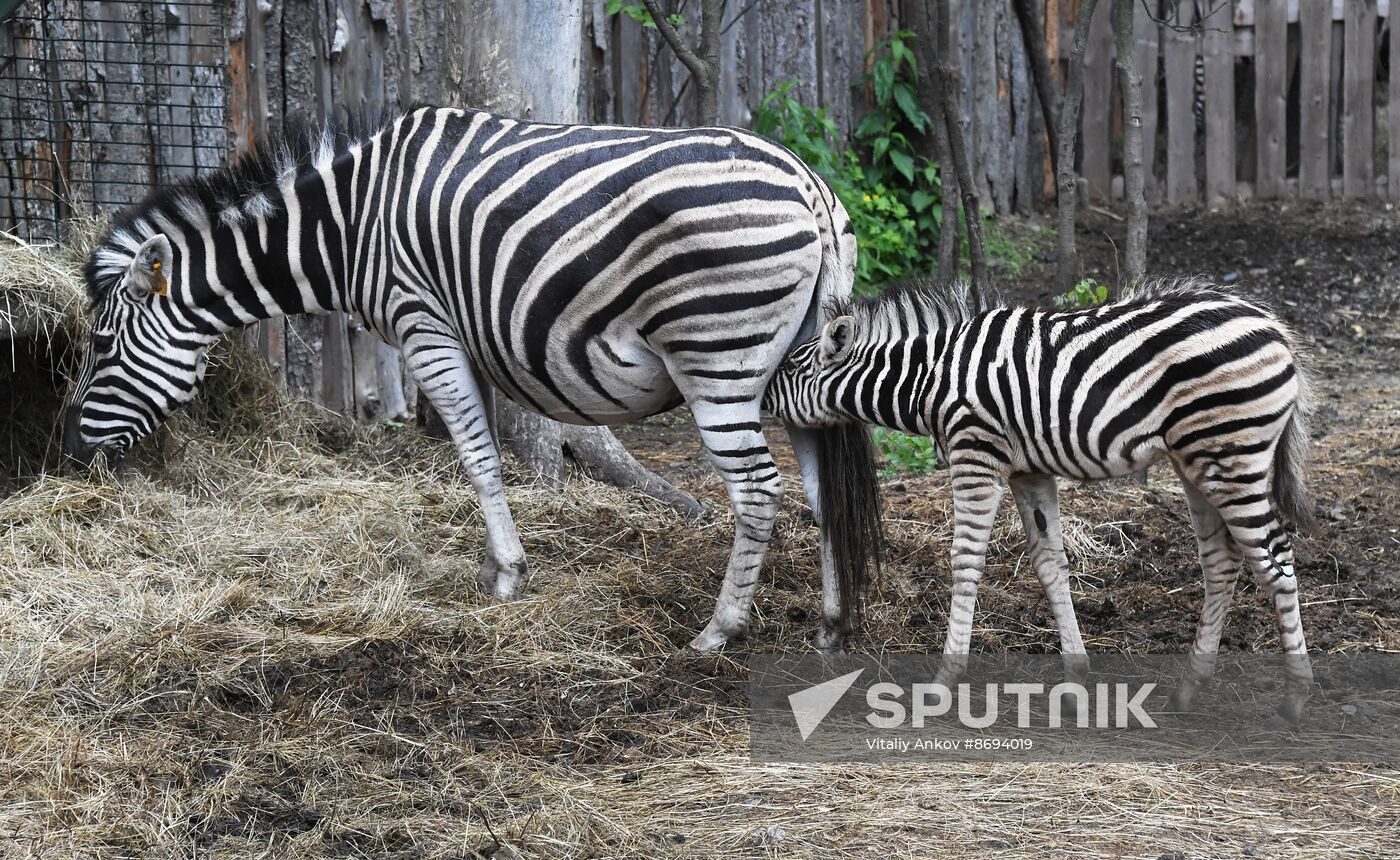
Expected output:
(972, 208)
(1134, 181)
(1068, 269)
(1028, 13)
(704, 66)
(683, 53)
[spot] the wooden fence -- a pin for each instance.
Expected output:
(1250, 99)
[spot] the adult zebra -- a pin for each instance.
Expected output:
(1017, 396)
(592, 274)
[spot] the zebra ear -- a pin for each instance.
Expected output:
(148, 273)
(838, 336)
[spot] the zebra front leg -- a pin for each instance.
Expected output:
(977, 494)
(444, 374)
(1220, 568)
(734, 439)
(1038, 501)
(830, 633)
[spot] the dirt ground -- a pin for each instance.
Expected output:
(268, 643)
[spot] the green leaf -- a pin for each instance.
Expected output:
(877, 152)
(904, 163)
(922, 200)
(884, 81)
(909, 103)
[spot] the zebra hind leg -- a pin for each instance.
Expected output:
(444, 373)
(830, 633)
(1038, 501)
(1238, 488)
(734, 439)
(1220, 568)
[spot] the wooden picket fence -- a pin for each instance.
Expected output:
(1294, 103)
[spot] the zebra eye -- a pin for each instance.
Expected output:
(102, 341)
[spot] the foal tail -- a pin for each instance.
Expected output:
(1290, 491)
(851, 511)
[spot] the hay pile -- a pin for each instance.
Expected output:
(264, 640)
(40, 288)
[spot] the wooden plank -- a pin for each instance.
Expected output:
(1096, 123)
(1179, 59)
(1393, 111)
(1314, 82)
(1270, 98)
(1148, 35)
(1217, 40)
(1358, 107)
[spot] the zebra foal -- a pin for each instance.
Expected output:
(1016, 397)
(592, 274)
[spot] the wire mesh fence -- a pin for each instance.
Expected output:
(102, 100)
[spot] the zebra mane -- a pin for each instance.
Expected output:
(914, 305)
(922, 304)
(245, 189)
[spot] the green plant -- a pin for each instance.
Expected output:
(905, 453)
(1085, 294)
(637, 12)
(889, 190)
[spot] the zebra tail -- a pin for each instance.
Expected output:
(1290, 491)
(851, 512)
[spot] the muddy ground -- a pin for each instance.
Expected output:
(1333, 272)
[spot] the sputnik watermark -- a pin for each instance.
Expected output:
(894, 706)
(1117, 706)
(1023, 707)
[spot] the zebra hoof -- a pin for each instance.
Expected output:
(1180, 701)
(830, 636)
(499, 581)
(1286, 718)
(713, 637)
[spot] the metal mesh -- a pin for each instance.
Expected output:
(101, 100)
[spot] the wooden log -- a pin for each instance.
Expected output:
(1217, 51)
(1358, 106)
(1270, 98)
(1096, 129)
(1314, 85)
(1148, 52)
(1179, 59)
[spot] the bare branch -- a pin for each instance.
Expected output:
(1068, 264)
(704, 66)
(1134, 180)
(683, 53)
(1029, 13)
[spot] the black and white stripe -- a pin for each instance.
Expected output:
(1017, 396)
(592, 274)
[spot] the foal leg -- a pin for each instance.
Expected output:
(734, 439)
(977, 494)
(1038, 501)
(804, 445)
(444, 373)
(1238, 488)
(1220, 567)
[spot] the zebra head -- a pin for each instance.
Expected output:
(144, 358)
(806, 387)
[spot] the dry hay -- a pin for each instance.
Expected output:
(272, 646)
(41, 290)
